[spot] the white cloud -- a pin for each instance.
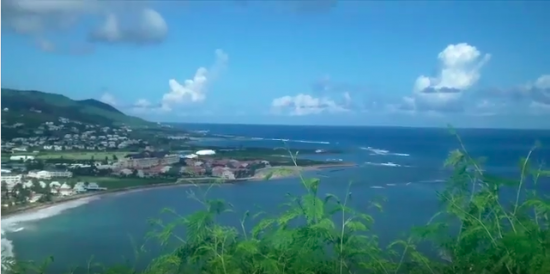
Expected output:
(304, 104)
(108, 98)
(148, 26)
(539, 90)
(194, 90)
(142, 105)
(43, 20)
(543, 82)
(347, 98)
(460, 70)
(539, 108)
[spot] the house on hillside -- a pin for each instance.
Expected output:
(79, 187)
(94, 187)
(54, 186)
(65, 190)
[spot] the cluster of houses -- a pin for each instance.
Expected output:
(77, 137)
(200, 163)
(43, 179)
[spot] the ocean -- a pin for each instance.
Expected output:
(403, 165)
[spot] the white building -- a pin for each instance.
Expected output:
(93, 186)
(65, 190)
(28, 184)
(21, 157)
(61, 173)
(205, 152)
(12, 180)
(43, 174)
(46, 174)
(79, 187)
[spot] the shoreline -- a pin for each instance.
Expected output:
(185, 182)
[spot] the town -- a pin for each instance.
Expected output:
(49, 166)
(64, 159)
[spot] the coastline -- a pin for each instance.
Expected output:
(178, 183)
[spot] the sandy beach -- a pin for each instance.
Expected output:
(277, 173)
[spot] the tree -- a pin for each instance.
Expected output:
(5, 191)
(115, 158)
(36, 164)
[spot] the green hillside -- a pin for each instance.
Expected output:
(35, 107)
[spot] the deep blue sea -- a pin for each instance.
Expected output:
(404, 165)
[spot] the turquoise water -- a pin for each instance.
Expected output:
(107, 227)
(404, 165)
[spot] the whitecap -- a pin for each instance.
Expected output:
(387, 164)
(383, 152)
(376, 187)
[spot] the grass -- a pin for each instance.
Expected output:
(323, 234)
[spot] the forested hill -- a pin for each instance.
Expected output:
(35, 107)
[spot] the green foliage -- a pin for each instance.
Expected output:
(52, 106)
(323, 234)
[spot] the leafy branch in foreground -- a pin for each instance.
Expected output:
(479, 229)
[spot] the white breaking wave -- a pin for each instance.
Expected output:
(388, 164)
(334, 160)
(409, 183)
(15, 223)
(383, 152)
(288, 140)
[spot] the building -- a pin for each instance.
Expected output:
(48, 174)
(28, 184)
(65, 190)
(21, 158)
(79, 187)
(190, 156)
(12, 180)
(93, 187)
(145, 160)
(54, 187)
(42, 174)
(205, 152)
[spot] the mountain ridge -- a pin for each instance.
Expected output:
(35, 107)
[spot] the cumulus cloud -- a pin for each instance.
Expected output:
(460, 70)
(304, 104)
(108, 98)
(123, 22)
(194, 90)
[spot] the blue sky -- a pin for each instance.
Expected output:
(469, 63)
